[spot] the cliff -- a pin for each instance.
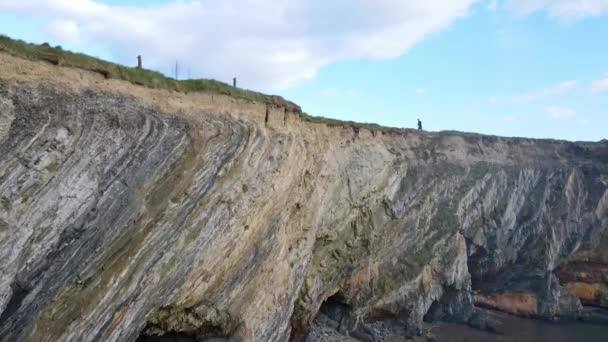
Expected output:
(128, 211)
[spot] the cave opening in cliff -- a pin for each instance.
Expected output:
(189, 324)
(153, 333)
(158, 333)
(336, 313)
(335, 307)
(168, 337)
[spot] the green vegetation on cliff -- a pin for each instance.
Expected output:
(154, 79)
(139, 76)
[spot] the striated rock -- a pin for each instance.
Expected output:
(127, 211)
(6, 117)
(520, 304)
(585, 274)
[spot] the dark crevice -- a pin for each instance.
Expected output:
(168, 337)
(154, 333)
(336, 308)
(284, 117)
(181, 325)
(19, 294)
(336, 314)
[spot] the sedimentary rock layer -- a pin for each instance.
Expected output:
(128, 211)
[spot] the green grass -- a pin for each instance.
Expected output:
(352, 124)
(143, 77)
(156, 80)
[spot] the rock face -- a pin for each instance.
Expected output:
(127, 211)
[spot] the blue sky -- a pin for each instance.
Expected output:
(533, 68)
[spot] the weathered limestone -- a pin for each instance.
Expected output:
(6, 117)
(126, 210)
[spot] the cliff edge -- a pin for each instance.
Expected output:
(127, 211)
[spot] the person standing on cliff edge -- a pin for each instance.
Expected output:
(419, 124)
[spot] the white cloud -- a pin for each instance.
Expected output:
(561, 113)
(420, 91)
(544, 93)
(268, 44)
(66, 30)
(563, 9)
(600, 85)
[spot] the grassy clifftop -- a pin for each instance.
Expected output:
(153, 79)
(156, 80)
(143, 77)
